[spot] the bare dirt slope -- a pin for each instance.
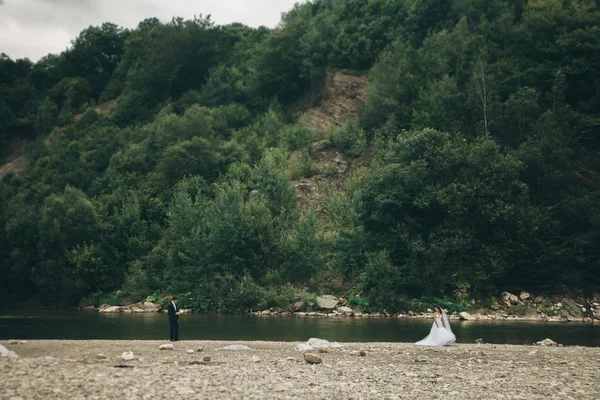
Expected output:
(344, 96)
(18, 162)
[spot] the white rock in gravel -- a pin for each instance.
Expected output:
(255, 359)
(547, 342)
(4, 352)
(290, 359)
(189, 351)
(303, 347)
(524, 295)
(127, 356)
(166, 347)
(23, 342)
(312, 358)
(237, 347)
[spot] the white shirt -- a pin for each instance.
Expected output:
(174, 306)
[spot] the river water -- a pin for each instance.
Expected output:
(93, 325)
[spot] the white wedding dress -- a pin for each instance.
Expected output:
(439, 336)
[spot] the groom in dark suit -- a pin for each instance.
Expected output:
(173, 319)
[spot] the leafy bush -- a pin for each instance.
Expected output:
(300, 165)
(351, 139)
(295, 137)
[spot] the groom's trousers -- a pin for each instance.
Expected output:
(174, 329)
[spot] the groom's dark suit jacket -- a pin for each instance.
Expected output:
(172, 315)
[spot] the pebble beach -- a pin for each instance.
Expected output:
(96, 369)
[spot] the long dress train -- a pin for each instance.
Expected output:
(439, 336)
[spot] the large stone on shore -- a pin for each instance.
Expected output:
(524, 295)
(127, 356)
(571, 311)
(312, 358)
(112, 309)
(346, 310)
(135, 309)
(237, 347)
(166, 347)
(103, 307)
(506, 298)
(327, 302)
(298, 306)
(547, 342)
(510, 299)
(314, 343)
(129, 300)
(4, 352)
(465, 316)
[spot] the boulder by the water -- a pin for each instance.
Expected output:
(571, 311)
(327, 302)
(314, 343)
(4, 352)
(524, 295)
(237, 347)
(547, 342)
(346, 310)
(129, 300)
(127, 356)
(111, 309)
(465, 316)
(166, 347)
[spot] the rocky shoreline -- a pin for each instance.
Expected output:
(95, 369)
(508, 307)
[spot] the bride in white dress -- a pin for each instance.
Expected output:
(441, 333)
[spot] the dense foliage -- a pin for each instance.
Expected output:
(480, 141)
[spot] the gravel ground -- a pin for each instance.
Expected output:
(63, 369)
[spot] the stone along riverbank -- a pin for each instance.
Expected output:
(508, 306)
(276, 370)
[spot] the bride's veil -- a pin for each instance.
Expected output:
(446, 321)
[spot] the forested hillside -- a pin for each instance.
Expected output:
(474, 160)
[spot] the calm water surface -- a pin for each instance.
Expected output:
(93, 325)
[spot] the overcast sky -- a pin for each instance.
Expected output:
(34, 28)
